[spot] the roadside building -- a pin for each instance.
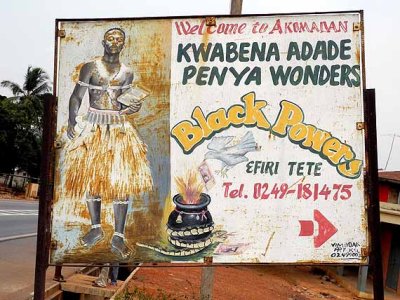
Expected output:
(357, 279)
(17, 180)
(389, 197)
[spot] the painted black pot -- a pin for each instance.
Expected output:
(186, 217)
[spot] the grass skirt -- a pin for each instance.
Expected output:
(108, 161)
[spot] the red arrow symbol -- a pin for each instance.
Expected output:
(325, 229)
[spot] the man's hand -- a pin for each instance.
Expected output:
(135, 107)
(71, 131)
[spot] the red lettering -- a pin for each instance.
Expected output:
(241, 28)
(226, 185)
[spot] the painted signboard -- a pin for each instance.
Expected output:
(237, 139)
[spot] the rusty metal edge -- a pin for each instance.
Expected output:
(54, 128)
(364, 79)
(363, 88)
(203, 16)
(55, 66)
(177, 264)
(372, 192)
(171, 264)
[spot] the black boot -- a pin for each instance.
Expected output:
(95, 234)
(118, 245)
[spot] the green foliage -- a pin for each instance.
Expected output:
(36, 83)
(21, 123)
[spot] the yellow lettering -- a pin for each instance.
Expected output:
(335, 150)
(198, 115)
(331, 147)
(298, 132)
(351, 169)
(217, 120)
(233, 114)
(187, 135)
(343, 152)
(315, 138)
(254, 115)
(289, 122)
(289, 115)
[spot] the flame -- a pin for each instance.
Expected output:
(190, 187)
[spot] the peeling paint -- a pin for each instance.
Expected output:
(135, 160)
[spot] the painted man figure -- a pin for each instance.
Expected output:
(106, 159)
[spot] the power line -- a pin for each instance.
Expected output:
(390, 134)
(390, 151)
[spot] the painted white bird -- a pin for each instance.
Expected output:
(230, 154)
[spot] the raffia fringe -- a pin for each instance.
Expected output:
(107, 163)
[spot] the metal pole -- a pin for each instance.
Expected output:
(207, 283)
(236, 7)
(45, 198)
(372, 187)
(207, 273)
(362, 278)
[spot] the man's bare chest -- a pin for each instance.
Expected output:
(107, 77)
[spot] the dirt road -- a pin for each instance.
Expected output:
(244, 282)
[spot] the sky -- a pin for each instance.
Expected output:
(28, 39)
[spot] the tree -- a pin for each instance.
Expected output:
(21, 122)
(30, 95)
(36, 84)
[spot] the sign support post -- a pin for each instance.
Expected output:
(207, 283)
(207, 274)
(236, 7)
(372, 186)
(45, 198)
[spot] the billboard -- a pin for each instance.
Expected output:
(234, 138)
